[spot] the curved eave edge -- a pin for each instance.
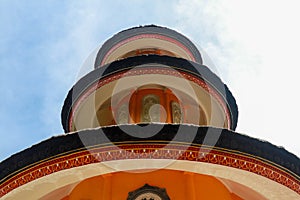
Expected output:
(200, 71)
(147, 29)
(229, 141)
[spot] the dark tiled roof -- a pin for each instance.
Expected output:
(195, 135)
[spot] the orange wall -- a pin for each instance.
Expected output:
(179, 185)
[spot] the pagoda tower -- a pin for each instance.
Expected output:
(150, 122)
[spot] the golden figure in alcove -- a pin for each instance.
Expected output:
(150, 109)
(176, 113)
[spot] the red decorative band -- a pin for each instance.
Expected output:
(151, 151)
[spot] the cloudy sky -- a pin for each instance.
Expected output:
(252, 45)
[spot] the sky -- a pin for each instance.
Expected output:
(252, 45)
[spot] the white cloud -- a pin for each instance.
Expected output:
(255, 45)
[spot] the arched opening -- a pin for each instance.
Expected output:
(150, 104)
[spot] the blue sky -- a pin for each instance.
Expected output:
(43, 45)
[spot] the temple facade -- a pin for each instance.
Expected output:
(150, 122)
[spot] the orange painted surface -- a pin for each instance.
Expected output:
(235, 197)
(179, 185)
(191, 111)
(136, 102)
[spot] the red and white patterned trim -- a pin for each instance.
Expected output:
(151, 151)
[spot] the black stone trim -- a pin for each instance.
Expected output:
(179, 64)
(161, 192)
(228, 140)
(149, 29)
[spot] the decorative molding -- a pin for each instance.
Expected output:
(151, 151)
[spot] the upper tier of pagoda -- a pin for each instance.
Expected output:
(149, 74)
(147, 40)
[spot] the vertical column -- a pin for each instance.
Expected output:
(133, 108)
(107, 190)
(167, 105)
(190, 186)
